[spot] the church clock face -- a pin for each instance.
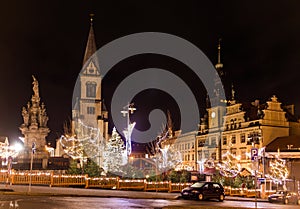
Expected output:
(213, 114)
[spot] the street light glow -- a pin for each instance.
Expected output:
(18, 147)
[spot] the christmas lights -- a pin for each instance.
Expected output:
(114, 153)
(85, 143)
(230, 166)
(278, 170)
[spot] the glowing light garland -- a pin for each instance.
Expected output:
(209, 163)
(230, 167)
(86, 142)
(278, 170)
(166, 157)
(114, 153)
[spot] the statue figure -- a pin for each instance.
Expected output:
(35, 87)
(33, 118)
(25, 116)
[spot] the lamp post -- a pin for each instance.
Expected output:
(127, 110)
(255, 139)
(33, 148)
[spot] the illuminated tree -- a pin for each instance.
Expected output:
(82, 144)
(230, 166)
(278, 171)
(115, 154)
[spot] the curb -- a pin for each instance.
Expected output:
(136, 195)
(87, 195)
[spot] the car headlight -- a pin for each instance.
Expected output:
(194, 191)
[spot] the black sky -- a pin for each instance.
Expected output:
(260, 48)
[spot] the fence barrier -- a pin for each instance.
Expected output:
(48, 178)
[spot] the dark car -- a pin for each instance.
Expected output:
(285, 197)
(204, 190)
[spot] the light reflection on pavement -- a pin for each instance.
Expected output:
(54, 202)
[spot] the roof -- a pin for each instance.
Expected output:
(90, 46)
(283, 143)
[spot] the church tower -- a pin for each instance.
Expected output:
(89, 107)
(217, 109)
(34, 129)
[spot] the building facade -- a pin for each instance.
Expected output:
(235, 128)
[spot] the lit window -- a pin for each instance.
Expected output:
(233, 139)
(224, 140)
(243, 154)
(243, 138)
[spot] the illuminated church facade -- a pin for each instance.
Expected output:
(89, 107)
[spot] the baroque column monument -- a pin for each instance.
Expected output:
(35, 131)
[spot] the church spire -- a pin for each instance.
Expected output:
(91, 43)
(219, 65)
(232, 92)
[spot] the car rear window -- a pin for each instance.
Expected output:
(198, 184)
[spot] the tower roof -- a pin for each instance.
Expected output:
(219, 65)
(91, 47)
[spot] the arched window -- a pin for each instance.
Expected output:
(91, 89)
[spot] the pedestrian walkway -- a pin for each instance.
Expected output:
(76, 192)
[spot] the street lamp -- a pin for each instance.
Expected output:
(127, 110)
(33, 149)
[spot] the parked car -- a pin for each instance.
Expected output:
(204, 190)
(285, 197)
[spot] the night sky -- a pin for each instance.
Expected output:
(260, 47)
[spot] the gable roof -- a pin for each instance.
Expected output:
(282, 143)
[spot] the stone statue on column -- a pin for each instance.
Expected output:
(35, 87)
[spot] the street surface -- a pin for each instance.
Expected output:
(53, 202)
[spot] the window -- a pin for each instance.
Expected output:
(233, 139)
(200, 154)
(213, 141)
(223, 154)
(193, 157)
(243, 138)
(91, 110)
(243, 154)
(214, 156)
(91, 89)
(206, 154)
(200, 143)
(216, 186)
(233, 152)
(224, 140)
